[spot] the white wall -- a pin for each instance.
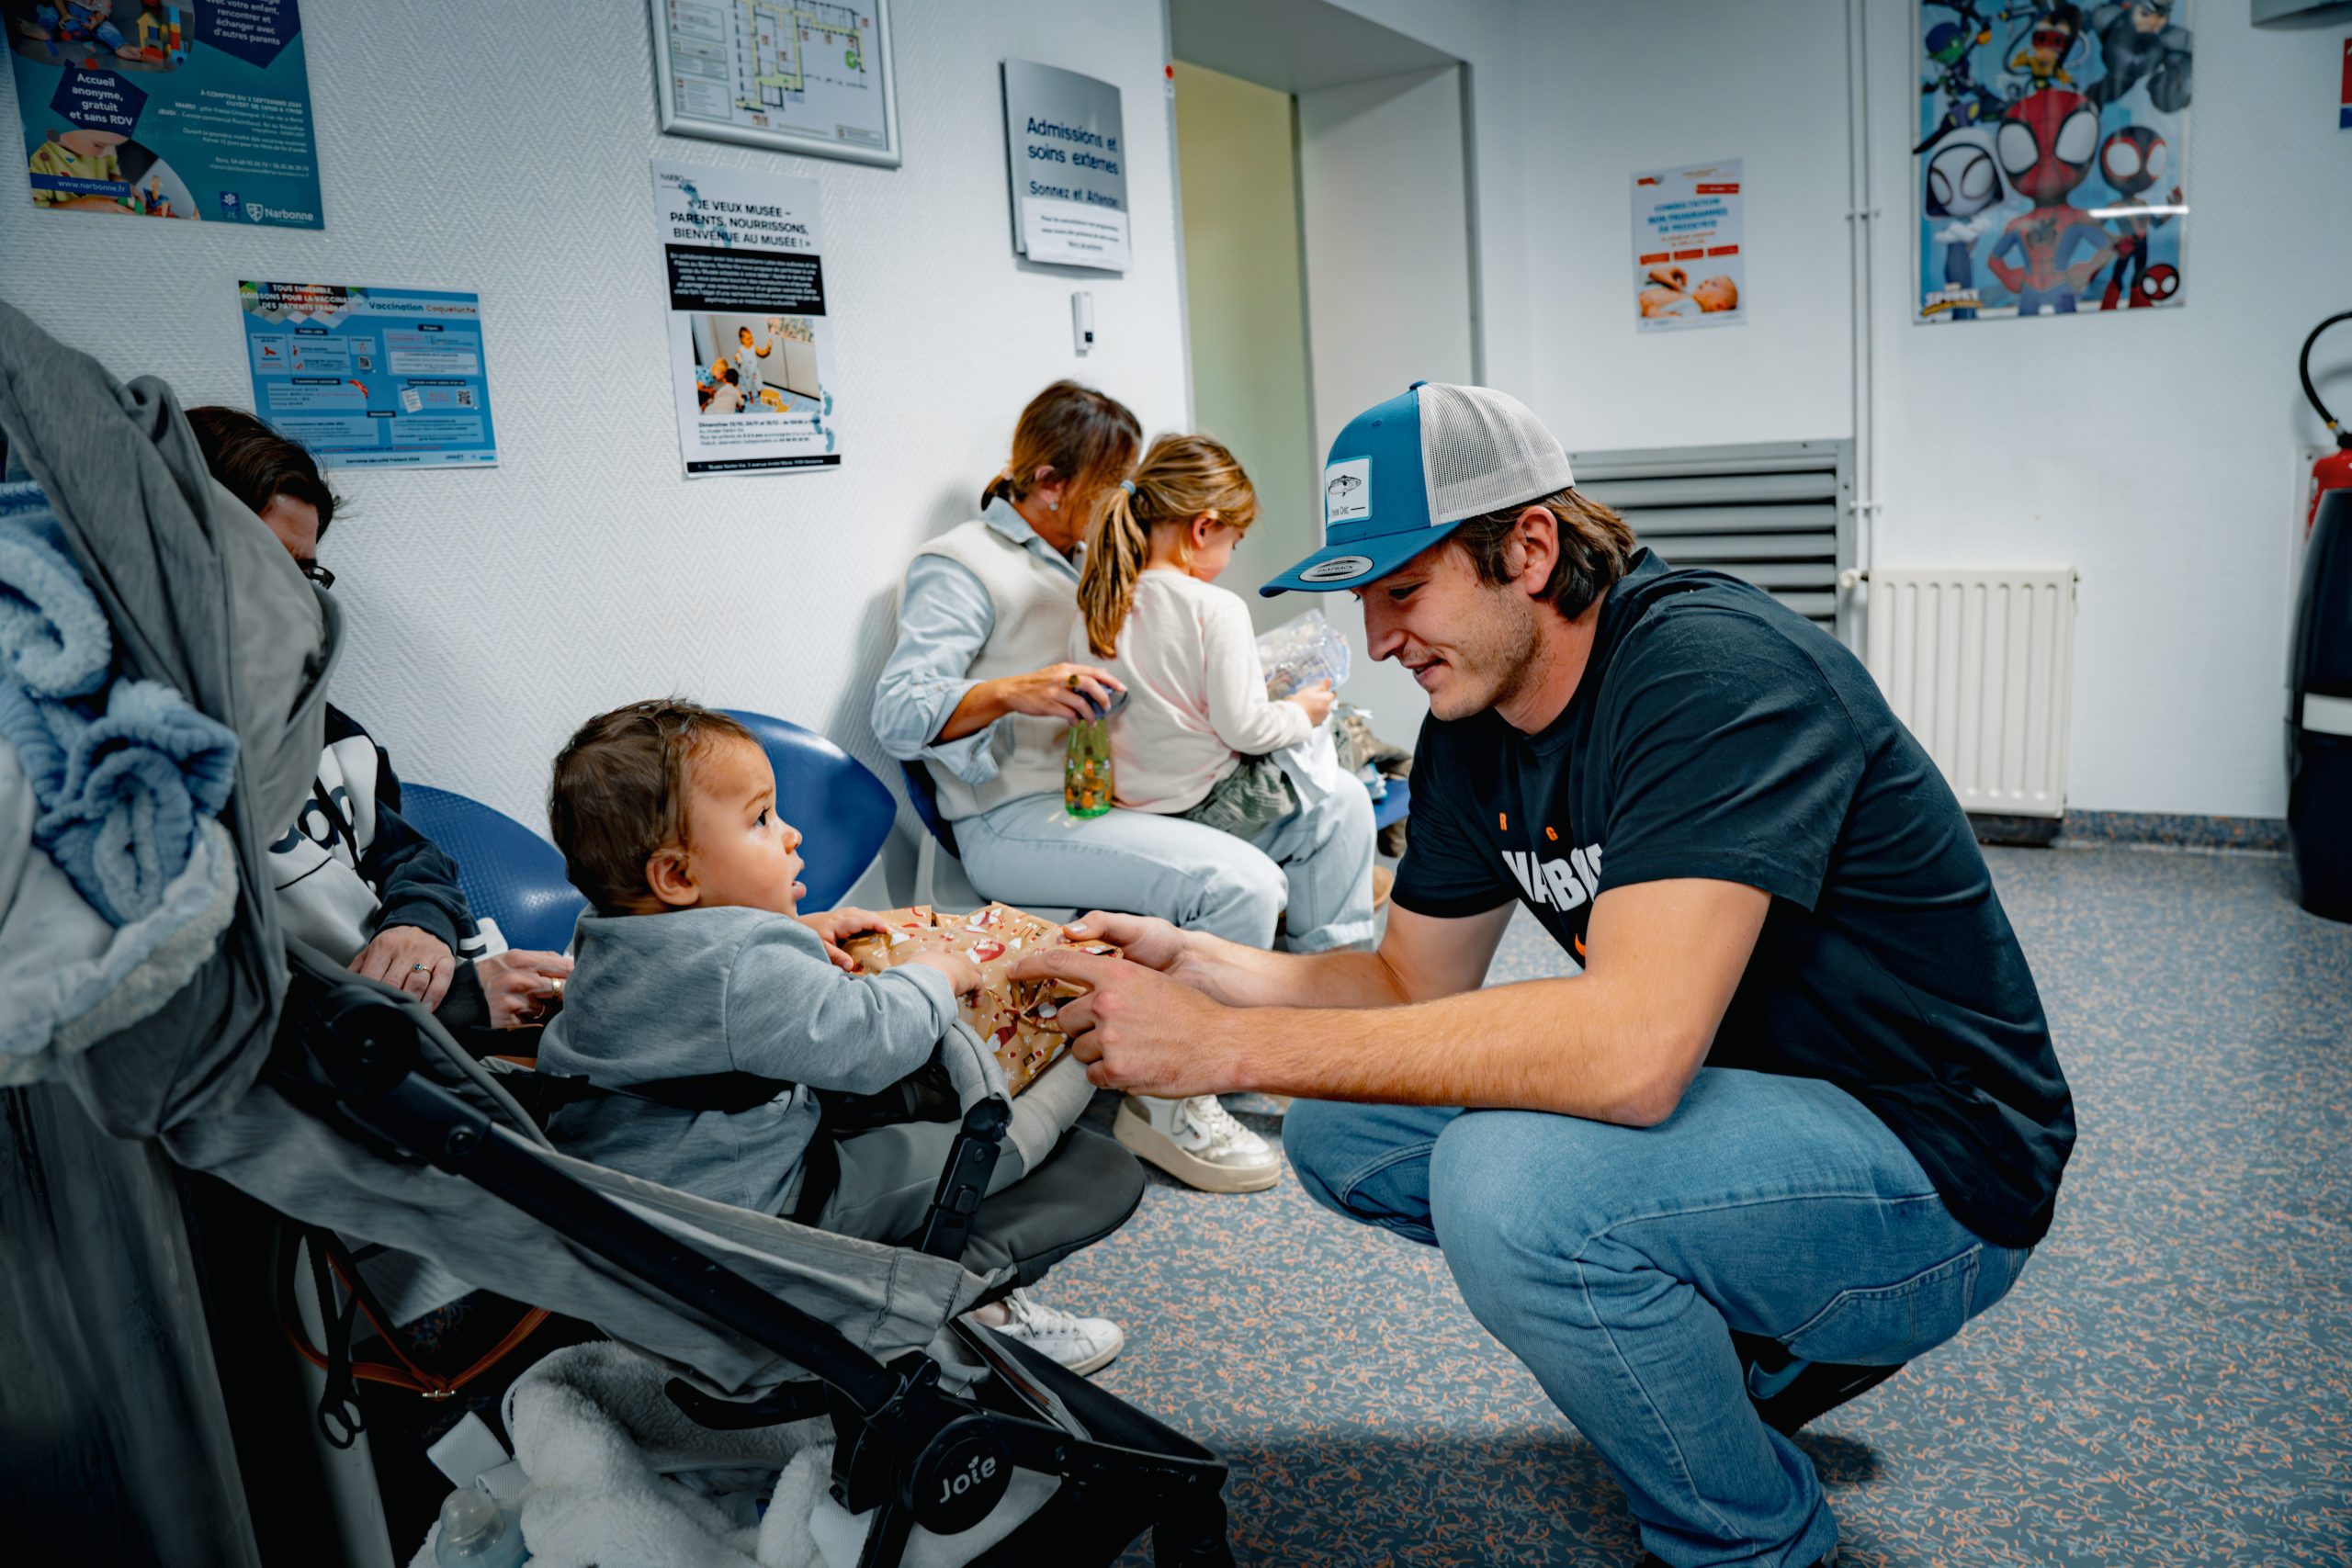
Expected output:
(1384, 207)
(494, 610)
(2156, 451)
(1247, 313)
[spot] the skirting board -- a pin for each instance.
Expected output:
(2089, 829)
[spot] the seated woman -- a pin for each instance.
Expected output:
(981, 690)
(353, 879)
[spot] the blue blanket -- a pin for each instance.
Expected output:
(54, 637)
(121, 773)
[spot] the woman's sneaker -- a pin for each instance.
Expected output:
(1081, 1344)
(1197, 1141)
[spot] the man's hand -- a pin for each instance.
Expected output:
(520, 986)
(1153, 942)
(416, 961)
(1137, 1030)
(1066, 691)
(837, 926)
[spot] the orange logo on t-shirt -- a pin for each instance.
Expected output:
(1553, 834)
(1502, 820)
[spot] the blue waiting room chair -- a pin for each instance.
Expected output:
(843, 811)
(508, 873)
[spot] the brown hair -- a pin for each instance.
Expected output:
(619, 793)
(1596, 545)
(257, 464)
(1181, 477)
(1085, 438)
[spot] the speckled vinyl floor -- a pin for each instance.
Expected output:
(2169, 1385)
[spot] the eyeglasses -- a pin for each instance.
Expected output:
(316, 573)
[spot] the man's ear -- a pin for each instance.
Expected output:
(1533, 547)
(671, 878)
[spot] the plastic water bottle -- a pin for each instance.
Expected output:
(1086, 767)
(477, 1533)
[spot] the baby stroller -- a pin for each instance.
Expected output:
(345, 1105)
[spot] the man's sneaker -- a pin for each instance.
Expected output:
(1197, 1141)
(1083, 1344)
(1787, 1393)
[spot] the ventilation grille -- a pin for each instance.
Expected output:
(1776, 513)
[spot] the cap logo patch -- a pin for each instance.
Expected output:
(1336, 569)
(1347, 492)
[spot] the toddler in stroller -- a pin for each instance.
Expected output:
(732, 1031)
(343, 1103)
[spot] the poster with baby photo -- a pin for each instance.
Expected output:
(1689, 266)
(2049, 170)
(749, 343)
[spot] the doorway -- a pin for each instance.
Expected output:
(1324, 180)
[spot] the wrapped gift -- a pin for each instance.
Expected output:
(1016, 1017)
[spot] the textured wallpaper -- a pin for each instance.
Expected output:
(505, 148)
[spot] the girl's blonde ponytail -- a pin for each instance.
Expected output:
(1181, 477)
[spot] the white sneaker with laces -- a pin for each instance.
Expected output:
(1081, 1344)
(1197, 1141)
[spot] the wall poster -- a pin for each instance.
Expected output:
(2051, 166)
(750, 348)
(371, 378)
(1064, 138)
(796, 75)
(1689, 270)
(166, 108)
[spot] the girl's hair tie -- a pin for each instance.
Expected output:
(1127, 485)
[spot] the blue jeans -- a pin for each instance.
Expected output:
(1312, 868)
(1611, 1259)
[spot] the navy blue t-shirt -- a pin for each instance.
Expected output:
(1717, 734)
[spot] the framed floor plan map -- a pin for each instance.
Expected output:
(797, 75)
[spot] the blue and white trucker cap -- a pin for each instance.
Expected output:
(1406, 473)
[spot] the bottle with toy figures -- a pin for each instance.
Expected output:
(1086, 767)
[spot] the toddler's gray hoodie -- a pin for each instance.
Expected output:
(696, 991)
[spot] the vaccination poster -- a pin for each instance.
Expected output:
(371, 378)
(2049, 168)
(194, 109)
(750, 350)
(1689, 270)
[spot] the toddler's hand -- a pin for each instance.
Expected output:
(1316, 699)
(961, 972)
(836, 926)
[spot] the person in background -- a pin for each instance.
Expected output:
(353, 878)
(980, 690)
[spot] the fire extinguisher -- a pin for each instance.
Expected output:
(2334, 470)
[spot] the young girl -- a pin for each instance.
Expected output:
(1199, 738)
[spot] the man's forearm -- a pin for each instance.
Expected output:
(1243, 976)
(1599, 1060)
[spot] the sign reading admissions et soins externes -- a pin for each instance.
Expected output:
(1068, 148)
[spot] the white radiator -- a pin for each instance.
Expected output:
(1977, 663)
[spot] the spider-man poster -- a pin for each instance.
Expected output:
(2050, 164)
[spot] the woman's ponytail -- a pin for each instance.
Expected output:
(1083, 437)
(1116, 548)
